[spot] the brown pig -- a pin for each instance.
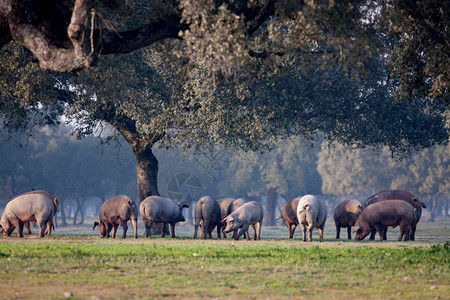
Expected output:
(207, 212)
(156, 209)
(399, 195)
(289, 215)
(380, 215)
(54, 200)
(249, 214)
(27, 208)
(116, 211)
(345, 215)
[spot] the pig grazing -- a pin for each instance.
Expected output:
(117, 211)
(249, 214)
(311, 213)
(27, 208)
(235, 204)
(345, 215)
(207, 212)
(55, 202)
(382, 214)
(398, 195)
(156, 209)
(289, 215)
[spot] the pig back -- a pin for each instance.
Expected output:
(159, 209)
(235, 204)
(54, 200)
(387, 213)
(250, 212)
(224, 203)
(348, 211)
(406, 196)
(120, 206)
(29, 207)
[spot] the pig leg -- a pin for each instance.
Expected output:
(303, 227)
(372, 234)
(218, 231)
(114, 230)
(258, 237)
(19, 227)
(254, 232)
(172, 229)
(349, 232)
(125, 228)
(310, 230)
(289, 226)
(379, 229)
(412, 231)
(206, 230)
(163, 229)
(404, 232)
(108, 230)
(338, 230)
(134, 224)
(292, 230)
(148, 228)
(27, 225)
(197, 224)
(42, 226)
(320, 233)
(243, 230)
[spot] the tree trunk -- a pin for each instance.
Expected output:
(63, 213)
(146, 162)
(147, 173)
(272, 197)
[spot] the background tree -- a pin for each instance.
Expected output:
(364, 172)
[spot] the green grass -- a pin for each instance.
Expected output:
(274, 268)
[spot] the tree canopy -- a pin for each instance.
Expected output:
(227, 36)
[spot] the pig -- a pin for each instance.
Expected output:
(27, 208)
(289, 215)
(116, 211)
(235, 204)
(208, 213)
(224, 203)
(54, 200)
(156, 209)
(382, 214)
(311, 213)
(248, 214)
(345, 215)
(399, 195)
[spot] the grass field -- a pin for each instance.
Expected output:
(76, 263)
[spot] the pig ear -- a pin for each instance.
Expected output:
(226, 219)
(360, 208)
(356, 228)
